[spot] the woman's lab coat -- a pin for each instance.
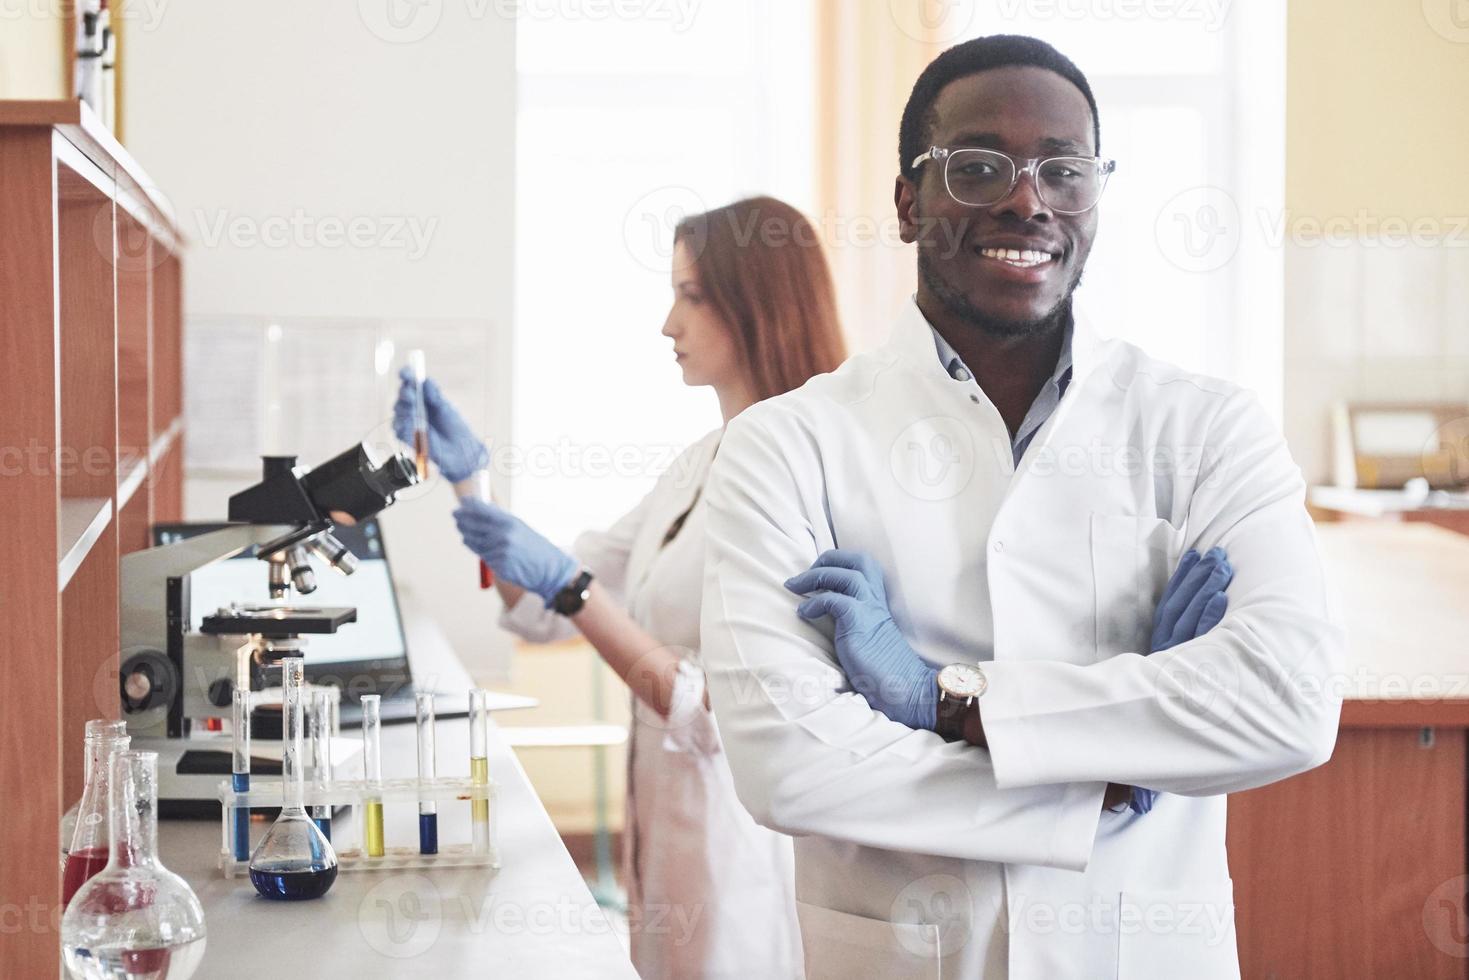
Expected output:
(710, 892)
(919, 858)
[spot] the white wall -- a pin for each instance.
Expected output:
(327, 161)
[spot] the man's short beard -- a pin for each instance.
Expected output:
(958, 304)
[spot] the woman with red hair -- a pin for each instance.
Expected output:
(754, 315)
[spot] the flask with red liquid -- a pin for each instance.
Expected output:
(84, 847)
(135, 918)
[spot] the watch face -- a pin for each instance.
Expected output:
(963, 681)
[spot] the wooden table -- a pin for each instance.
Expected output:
(1358, 868)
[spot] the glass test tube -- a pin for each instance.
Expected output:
(486, 574)
(428, 810)
(240, 770)
(321, 756)
(293, 778)
(479, 766)
(372, 773)
(418, 368)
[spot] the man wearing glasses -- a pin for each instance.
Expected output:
(959, 637)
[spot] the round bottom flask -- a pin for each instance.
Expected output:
(135, 919)
(294, 860)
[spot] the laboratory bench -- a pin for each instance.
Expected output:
(533, 917)
(1358, 868)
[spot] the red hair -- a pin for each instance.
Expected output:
(761, 265)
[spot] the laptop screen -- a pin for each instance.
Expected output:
(376, 636)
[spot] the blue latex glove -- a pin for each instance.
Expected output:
(452, 444)
(1193, 603)
(879, 663)
(516, 552)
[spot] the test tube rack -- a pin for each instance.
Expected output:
(356, 793)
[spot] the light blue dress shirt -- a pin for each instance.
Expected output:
(1045, 401)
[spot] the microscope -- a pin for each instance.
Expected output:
(175, 681)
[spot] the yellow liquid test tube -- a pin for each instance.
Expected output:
(372, 774)
(479, 767)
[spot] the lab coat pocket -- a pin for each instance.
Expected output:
(843, 946)
(1132, 558)
(1185, 933)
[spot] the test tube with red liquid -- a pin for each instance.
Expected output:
(482, 487)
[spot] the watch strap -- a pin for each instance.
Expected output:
(569, 601)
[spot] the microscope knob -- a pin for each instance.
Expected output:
(148, 681)
(222, 693)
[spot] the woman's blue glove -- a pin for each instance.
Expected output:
(515, 552)
(1193, 603)
(879, 663)
(452, 444)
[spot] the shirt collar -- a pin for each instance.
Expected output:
(913, 340)
(954, 364)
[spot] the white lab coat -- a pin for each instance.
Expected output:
(710, 892)
(918, 858)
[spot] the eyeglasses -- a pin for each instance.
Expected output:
(979, 178)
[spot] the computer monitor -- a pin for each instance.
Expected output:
(369, 656)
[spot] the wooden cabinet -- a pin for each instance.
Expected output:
(1359, 868)
(90, 444)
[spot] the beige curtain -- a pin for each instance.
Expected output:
(869, 54)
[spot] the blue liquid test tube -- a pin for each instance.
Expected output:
(240, 770)
(321, 755)
(428, 810)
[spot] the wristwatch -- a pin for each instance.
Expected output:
(569, 600)
(959, 686)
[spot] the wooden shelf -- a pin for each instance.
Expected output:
(76, 121)
(80, 523)
(90, 348)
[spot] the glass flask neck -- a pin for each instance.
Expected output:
(292, 715)
(134, 810)
(95, 771)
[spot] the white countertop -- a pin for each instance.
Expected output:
(534, 917)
